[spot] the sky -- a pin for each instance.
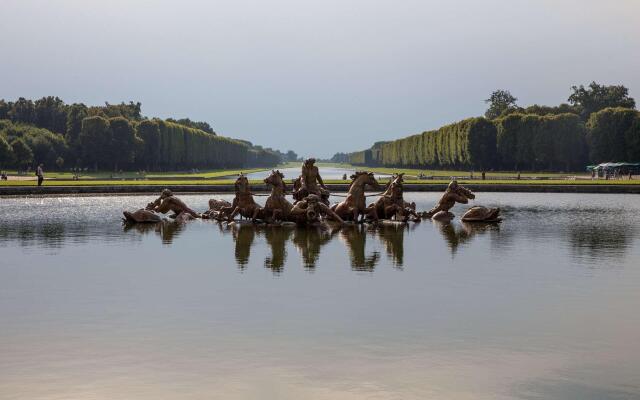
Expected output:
(316, 77)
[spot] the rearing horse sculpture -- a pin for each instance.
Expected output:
(392, 202)
(277, 207)
(243, 203)
(354, 205)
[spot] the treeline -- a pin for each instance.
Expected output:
(115, 137)
(599, 125)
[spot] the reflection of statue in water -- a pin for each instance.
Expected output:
(163, 204)
(243, 236)
(277, 238)
(458, 194)
(392, 237)
(309, 241)
(464, 232)
(355, 239)
(308, 183)
(167, 230)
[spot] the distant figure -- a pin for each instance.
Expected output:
(40, 174)
(4, 176)
(483, 175)
(630, 175)
(344, 177)
(593, 174)
(518, 178)
(471, 174)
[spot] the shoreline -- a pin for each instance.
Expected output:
(47, 191)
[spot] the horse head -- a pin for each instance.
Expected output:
(276, 180)
(242, 184)
(366, 178)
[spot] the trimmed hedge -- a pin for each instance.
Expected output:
(468, 143)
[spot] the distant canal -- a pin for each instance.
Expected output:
(542, 306)
(327, 173)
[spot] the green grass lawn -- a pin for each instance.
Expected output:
(259, 183)
(208, 174)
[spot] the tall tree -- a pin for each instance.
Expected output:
(51, 114)
(6, 153)
(23, 111)
(95, 137)
(597, 97)
(123, 140)
(21, 152)
(499, 102)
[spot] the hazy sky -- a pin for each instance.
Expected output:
(315, 76)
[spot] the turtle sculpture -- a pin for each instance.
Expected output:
(481, 214)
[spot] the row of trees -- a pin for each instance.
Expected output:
(471, 142)
(115, 137)
(600, 124)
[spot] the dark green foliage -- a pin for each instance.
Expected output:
(23, 111)
(41, 145)
(340, 158)
(499, 102)
(6, 152)
(597, 97)
(23, 156)
(613, 135)
(543, 110)
(123, 142)
(94, 139)
(632, 138)
(468, 143)
(117, 136)
(131, 111)
(535, 142)
(75, 114)
(148, 155)
(4, 109)
(51, 114)
(203, 126)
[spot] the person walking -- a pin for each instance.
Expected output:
(40, 174)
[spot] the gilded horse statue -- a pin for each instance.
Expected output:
(243, 203)
(354, 206)
(392, 204)
(458, 194)
(163, 204)
(277, 207)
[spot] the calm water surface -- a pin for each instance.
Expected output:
(542, 306)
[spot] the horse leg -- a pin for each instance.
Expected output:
(256, 210)
(355, 213)
(371, 211)
(233, 214)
